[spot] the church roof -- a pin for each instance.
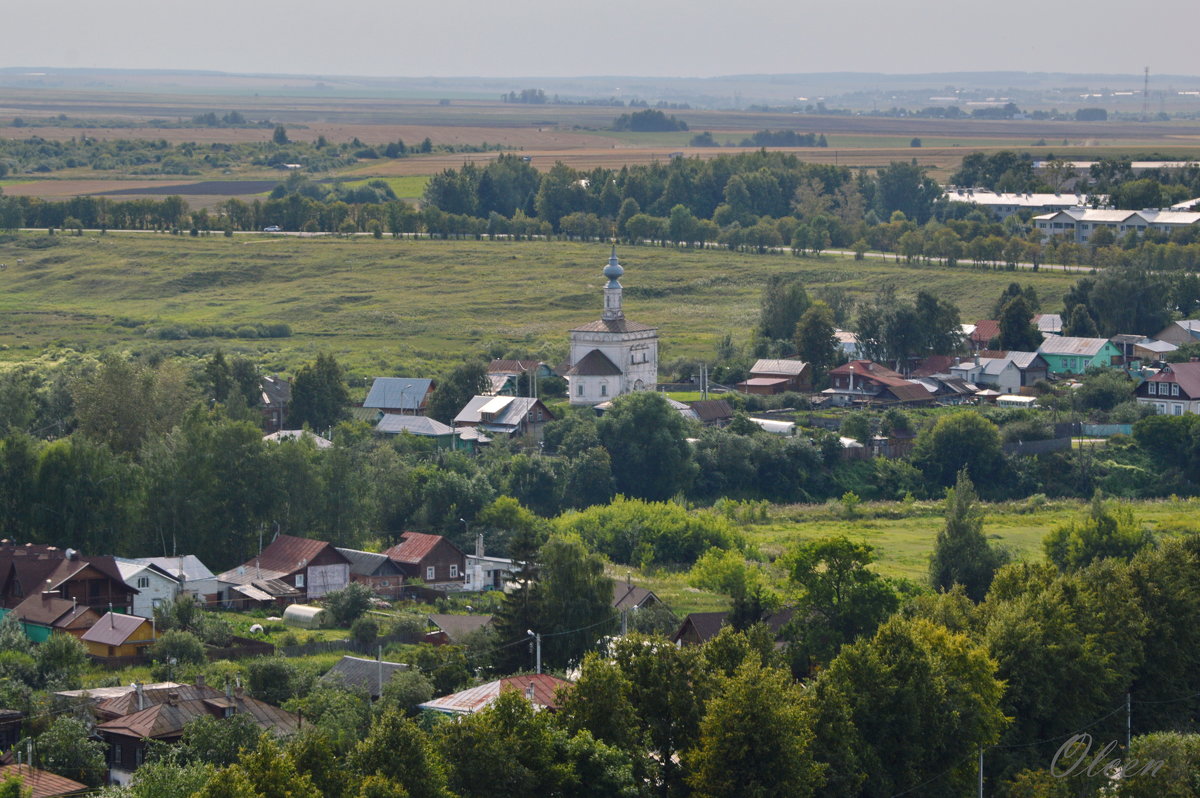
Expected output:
(614, 326)
(594, 364)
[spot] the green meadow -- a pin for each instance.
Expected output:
(903, 536)
(409, 306)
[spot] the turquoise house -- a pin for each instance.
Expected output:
(1067, 356)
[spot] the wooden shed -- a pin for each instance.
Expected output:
(117, 635)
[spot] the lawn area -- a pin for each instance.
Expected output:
(402, 306)
(903, 537)
(407, 188)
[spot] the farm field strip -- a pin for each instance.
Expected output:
(404, 304)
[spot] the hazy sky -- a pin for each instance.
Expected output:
(615, 37)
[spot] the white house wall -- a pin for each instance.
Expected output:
(322, 579)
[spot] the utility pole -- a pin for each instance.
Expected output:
(1128, 721)
(537, 637)
(981, 771)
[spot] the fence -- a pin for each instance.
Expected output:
(240, 648)
(1031, 448)
(1106, 430)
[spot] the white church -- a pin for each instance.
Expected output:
(612, 356)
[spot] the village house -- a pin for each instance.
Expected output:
(155, 586)
(42, 783)
(290, 569)
(377, 571)
(1008, 372)
(369, 675)
(1184, 331)
(274, 396)
(1174, 390)
(864, 382)
(487, 573)
(1070, 356)
(443, 435)
(504, 376)
(430, 558)
(162, 717)
(612, 356)
(712, 412)
(540, 690)
(504, 415)
(43, 614)
(32, 569)
(400, 395)
(776, 376)
(194, 577)
(454, 629)
(116, 637)
(299, 434)
(700, 627)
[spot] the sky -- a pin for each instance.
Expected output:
(697, 38)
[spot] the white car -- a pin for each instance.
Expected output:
(274, 228)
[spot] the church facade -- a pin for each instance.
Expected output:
(614, 355)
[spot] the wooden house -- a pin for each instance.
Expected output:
(117, 637)
(32, 569)
(290, 569)
(376, 571)
(431, 558)
(46, 613)
(776, 376)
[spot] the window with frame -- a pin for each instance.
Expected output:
(299, 580)
(143, 582)
(604, 390)
(430, 573)
(454, 572)
(1174, 389)
(116, 755)
(1152, 388)
(1179, 410)
(579, 392)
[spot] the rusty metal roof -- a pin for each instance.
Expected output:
(413, 547)
(467, 702)
(128, 702)
(166, 720)
(289, 554)
(42, 783)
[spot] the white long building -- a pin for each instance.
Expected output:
(1080, 223)
(1004, 204)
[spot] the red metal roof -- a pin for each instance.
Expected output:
(41, 783)
(985, 330)
(467, 702)
(413, 547)
(288, 554)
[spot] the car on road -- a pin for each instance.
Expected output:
(274, 228)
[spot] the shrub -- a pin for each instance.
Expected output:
(347, 604)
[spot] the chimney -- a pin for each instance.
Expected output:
(239, 692)
(173, 699)
(200, 680)
(141, 696)
(976, 358)
(529, 692)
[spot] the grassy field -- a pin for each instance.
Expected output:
(904, 536)
(386, 306)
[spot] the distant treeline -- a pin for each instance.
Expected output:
(37, 155)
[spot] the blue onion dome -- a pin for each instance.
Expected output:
(613, 270)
